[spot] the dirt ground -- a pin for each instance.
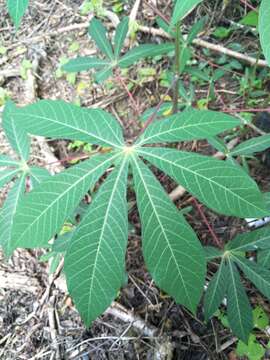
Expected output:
(37, 317)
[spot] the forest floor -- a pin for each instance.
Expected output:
(37, 317)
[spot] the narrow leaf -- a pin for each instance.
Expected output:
(120, 36)
(84, 63)
(103, 74)
(263, 258)
(95, 259)
(221, 186)
(16, 10)
(252, 146)
(42, 213)
(59, 119)
(238, 308)
(8, 211)
(188, 125)
(254, 240)
(7, 175)
(256, 273)
(182, 8)
(264, 28)
(15, 132)
(216, 290)
(143, 51)
(212, 253)
(172, 252)
(7, 161)
(98, 33)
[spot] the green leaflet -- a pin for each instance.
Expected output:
(250, 241)
(263, 258)
(98, 33)
(252, 146)
(7, 175)
(221, 186)
(16, 10)
(264, 28)
(58, 119)
(183, 8)
(103, 74)
(7, 161)
(188, 125)
(238, 307)
(216, 290)
(8, 211)
(143, 51)
(84, 63)
(120, 36)
(95, 259)
(41, 213)
(212, 253)
(256, 273)
(38, 175)
(172, 252)
(16, 134)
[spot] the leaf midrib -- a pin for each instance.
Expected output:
(162, 229)
(71, 127)
(236, 297)
(200, 176)
(114, 189)
(184, 128)
(64, 193)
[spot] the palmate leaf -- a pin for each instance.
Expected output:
(238, 306)
(216, 290)
(183, 8)
(257, 239)
(221, 186)
(264, 28)
(58, 119)
(41, 214)
(256, 273)
(98, 33)
(143, 51)
(7, 161)
(95, 259)
(8, 211)
(120, 36)
(188, 125)
(16, 134)
(252, 146)
(7, 175)
(85, 63)
(16, 10)
(172, 252)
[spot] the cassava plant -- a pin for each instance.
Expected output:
(94, 251)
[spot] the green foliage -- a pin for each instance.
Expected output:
(264, 28)
(182, 8)
(226, 282)
(171, 249)
(112, 53)
(16, 10)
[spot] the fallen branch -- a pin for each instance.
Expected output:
(155, 32)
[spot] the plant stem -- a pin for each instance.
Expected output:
(177, 68)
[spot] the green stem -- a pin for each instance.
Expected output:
(177, 68)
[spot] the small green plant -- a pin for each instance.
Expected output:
(94, 249)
